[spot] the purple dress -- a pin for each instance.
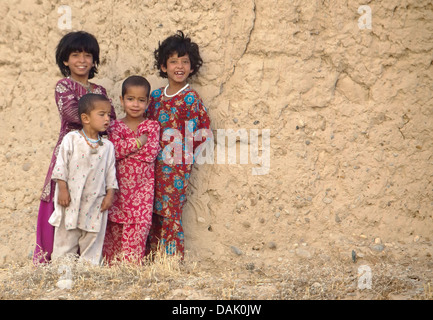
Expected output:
(67, 94)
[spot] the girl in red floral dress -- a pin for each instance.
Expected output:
(180, 113)
(136, 143)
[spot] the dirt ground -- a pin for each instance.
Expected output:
(376, 271)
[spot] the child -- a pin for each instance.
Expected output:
(77, 57)
(136, 142)
(85, 173)
(179, 107)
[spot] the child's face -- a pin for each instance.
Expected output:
(178, 69)
(80, 64)
(99, 118)
(135, 101)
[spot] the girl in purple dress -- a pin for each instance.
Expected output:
(77, 56)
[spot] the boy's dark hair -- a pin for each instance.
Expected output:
(181, 45)
(133, 81)
(77, 41)
(87, 103)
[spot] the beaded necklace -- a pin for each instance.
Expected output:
(90, 142)
(172, 95)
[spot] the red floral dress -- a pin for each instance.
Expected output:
(130, 216)
(180, 117)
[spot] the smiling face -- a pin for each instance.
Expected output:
(178, 69)
(80, 64)
(135, 101)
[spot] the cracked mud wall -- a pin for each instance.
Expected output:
(349, 112)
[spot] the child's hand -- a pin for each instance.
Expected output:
(143, 139)
(108, 200)
(63, 198)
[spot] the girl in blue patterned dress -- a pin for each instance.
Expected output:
(181, 113)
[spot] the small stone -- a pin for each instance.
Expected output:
(26, 166)
(316, 286)
(378, 247)
(235, 120)
(201, 219)
(239, 205)
(353, 256)
(327, 200)
(236, 250)
(256, 122)
(303, 253)
(416, 239)
(307, 142)
(277, 215)
(250, 266)
(377, 241)
(246, 224)
(363, 236)
(272, 245)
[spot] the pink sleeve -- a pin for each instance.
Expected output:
(67, 103)
(149, 151)
(123, 145)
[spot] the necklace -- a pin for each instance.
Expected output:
(90, 140)
(93, 149)
(172, 95)
(88, 87)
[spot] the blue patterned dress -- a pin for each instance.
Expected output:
(180, 117)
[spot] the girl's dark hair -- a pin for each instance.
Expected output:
(87, 103)
(77, 41)
(135, 81)
(181, 45)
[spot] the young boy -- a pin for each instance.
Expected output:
(136, 143)
(86, 181)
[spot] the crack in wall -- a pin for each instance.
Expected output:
(248, 40)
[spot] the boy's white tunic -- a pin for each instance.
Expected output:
(88, 175)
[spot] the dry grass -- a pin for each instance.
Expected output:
(169, 278)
